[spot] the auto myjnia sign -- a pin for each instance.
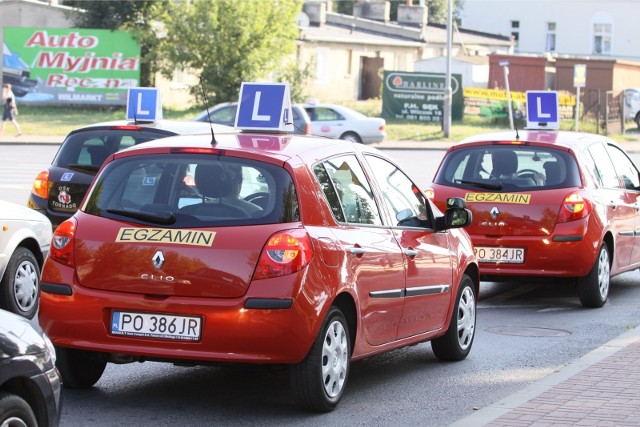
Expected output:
(264, 107)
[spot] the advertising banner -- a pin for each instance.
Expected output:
(492, 103)
(419, 96)
(59, 66)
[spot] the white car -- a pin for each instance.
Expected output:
(25, 236)
(337, 121)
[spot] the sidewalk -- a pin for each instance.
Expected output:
(601, 388)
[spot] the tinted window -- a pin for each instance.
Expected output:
(192, 191)
(509, 167)
(93, 147)
(603, 169)
(344, 182)
(625, 167)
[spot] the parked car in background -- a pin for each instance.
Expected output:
(632, 105)
(25, 236)
(58, 190)
(30, 389)
(225, 114)
(337, 121)
(547, 204)
(260, 248)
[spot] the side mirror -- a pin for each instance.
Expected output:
(454, 218)
(456, 202)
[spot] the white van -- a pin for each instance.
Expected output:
(632, 105)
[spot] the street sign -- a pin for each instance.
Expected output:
(265, 107)
(542, 110)
(143, 104)
(579, 75)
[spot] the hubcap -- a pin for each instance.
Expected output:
(466, 318)
(13, 422)
(335, 359)
(603, 273)
(26, 286)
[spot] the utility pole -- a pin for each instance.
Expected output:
(446, 120)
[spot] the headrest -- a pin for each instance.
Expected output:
(554, 173)
(504, 162)
(212, 180)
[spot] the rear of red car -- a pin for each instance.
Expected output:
(166, 261)
(532, 214)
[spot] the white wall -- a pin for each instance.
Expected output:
(574, 23)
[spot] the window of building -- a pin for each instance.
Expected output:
(602, 39)
(551, 37)
(515, 33)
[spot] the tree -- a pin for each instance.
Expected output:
(227, 42)
(136, 17)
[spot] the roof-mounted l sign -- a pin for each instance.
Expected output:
(143, 104)
(265, 107)
(542, 110)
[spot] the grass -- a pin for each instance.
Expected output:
(61, 120)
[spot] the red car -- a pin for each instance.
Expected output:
(259, 249)
(548, 204)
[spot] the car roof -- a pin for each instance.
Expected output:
(178, 127)
(565, 139)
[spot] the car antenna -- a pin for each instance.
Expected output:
(206, 106)
(516, 128)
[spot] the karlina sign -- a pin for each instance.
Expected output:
(419, 96)
(73, 65)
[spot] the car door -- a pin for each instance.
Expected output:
(373, 262)
(326, 122)
(428, 259)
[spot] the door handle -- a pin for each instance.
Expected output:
(356, 250)
(410, 252)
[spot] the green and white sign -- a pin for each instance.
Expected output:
(419, 96)
(61, 66)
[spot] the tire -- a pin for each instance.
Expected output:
(15, 411)
(318, 382)
(351, 137)
(19, 289)
(637, 120)
(456, 343)
(594, 287)
(80, 369)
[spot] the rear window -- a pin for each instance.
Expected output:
(185, 190)
(94, 146)
(513, 168)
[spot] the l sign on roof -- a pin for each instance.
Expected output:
(542, 110)
(265, 107)
(143, 104)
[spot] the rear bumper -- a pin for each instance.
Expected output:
(41, 205)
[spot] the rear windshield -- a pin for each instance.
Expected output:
(185, 190)
(91, 148)
(512, 167)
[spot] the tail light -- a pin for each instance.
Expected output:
(381, 128)
(41, 185)
(63, 243)
(285, 253)
(574, 207)
(307, 129)
(430, 193)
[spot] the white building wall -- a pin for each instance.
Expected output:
(574, 20)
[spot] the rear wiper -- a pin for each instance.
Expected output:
(157, 218)
(481, 184)
(84, 168)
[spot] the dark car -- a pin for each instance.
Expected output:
(16, 73)
(225, 114)
(58, 191)
(29, 381)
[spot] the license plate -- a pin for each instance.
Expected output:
(152, 325)
(504, 255)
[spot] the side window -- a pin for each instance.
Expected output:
(402, 197)
(93, 152)
(625, 167)
(603, 169)
(351, 189)
(327, 114)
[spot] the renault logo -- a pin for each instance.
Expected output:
(158, 259)
(494, 212)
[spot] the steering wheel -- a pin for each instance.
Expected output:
(260, 198)
(527, 171)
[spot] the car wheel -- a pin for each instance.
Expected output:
(594, 287)
(79, 369)
(351, 137)
(15, 411)
(19, 293)
(455, 344)
(319, 381)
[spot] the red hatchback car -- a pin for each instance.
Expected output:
(547, 204)
(257, 248)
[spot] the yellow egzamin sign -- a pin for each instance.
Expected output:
(515, 198)
(166, 235)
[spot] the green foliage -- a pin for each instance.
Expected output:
(228, 41)
(297, 75)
